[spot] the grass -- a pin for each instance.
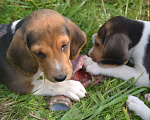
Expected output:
(105, 101)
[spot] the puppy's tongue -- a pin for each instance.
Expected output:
(80, 75)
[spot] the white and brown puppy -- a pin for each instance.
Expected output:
(43, 42)
(118, 41)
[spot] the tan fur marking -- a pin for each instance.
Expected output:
(97, 52)
(43, 31)
(53, 53)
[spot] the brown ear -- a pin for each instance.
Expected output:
(78, 39)
(20, 56)
(115, 51)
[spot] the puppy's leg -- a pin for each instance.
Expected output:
(70, 88)
(123, 72)
(139, 108)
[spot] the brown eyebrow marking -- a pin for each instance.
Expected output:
(67, 31)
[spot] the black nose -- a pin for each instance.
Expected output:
(87, 55)
(60, 78)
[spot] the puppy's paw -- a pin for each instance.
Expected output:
(138, 107)
(91, 67)
(135, 100)
(72, 89)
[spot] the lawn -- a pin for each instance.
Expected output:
(106, 101)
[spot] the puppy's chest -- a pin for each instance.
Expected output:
(141, 52)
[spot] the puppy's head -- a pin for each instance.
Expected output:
(111, 43)
(48, 41)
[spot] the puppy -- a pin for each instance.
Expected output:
(43, 42)
(118, 41)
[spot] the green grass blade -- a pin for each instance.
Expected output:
(57, 4)
(126, 114)
(95, 99)
(66, 5)
(129, 80)
(20, 2)
(114, 101)
(100, 96)
(139, 91)
(112, 97)
(90, 85)
(77, 9)
(71, 112)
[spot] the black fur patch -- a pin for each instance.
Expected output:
(110, 61)
(119, 24)
(119, 35)
(147, 57)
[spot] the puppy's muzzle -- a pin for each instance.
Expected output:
(60, 77)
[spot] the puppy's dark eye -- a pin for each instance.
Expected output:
(64, 47)
(41, 55)
(96, 44)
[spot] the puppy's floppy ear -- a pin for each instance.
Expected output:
(19, 55)
(115, 51)
(78, 39)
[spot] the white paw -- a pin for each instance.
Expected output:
(135, 100)
(138, 107)
(72, 89)
(91, 66)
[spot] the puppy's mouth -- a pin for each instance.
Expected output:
(111, 62)
(79, 73)
(77, 64)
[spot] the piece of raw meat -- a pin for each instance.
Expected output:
(63, 103)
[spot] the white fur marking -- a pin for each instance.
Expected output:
(138, 52)
(93, 41)
(37, 74)
(90, 50)
(93, 38)
(70, 88)
(138, 106)
(125, 72)
(57, 65)
(13, 26)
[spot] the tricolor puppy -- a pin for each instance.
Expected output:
(43, 42)
(118, 41)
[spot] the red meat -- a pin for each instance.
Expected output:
(80, 75)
